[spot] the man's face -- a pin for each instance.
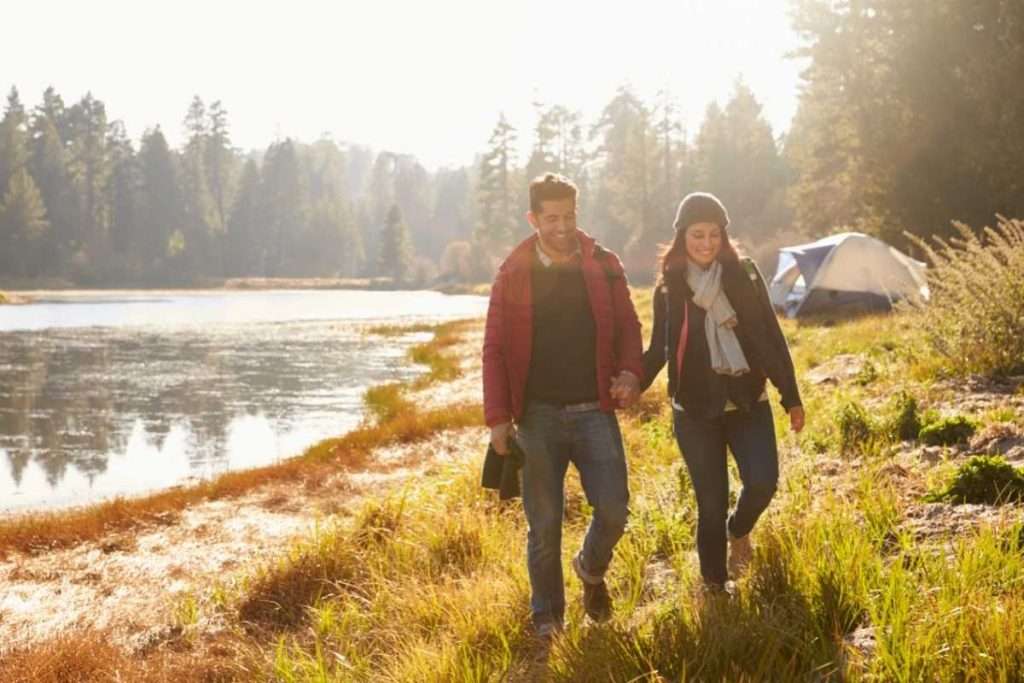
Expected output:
(555, 224)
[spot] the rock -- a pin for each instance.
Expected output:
(862, 640)
(837, 369)
(998, 439)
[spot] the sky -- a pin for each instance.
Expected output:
(424, 78)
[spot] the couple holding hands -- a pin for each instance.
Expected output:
(563, 349)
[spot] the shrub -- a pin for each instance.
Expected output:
(856, 430)
(983, 479)
(904, 421)
(947, 431)
(975, 319)
(867, 374)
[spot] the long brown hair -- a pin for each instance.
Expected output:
(673, 254)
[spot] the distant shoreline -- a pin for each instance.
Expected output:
(29, 291)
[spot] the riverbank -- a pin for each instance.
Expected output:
(421, 577)
(93, 569)
(26, 291)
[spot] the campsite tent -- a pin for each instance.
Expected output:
(849, 270)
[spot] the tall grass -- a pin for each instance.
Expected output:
(430, 584)
(975, 318)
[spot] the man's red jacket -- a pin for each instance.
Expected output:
(509, 332)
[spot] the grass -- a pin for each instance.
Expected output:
(983, 479)
(430, 584)
(396, 421)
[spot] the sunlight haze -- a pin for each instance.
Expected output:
(424, 78)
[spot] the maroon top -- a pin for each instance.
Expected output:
(509, 332)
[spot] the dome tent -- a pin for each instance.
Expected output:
(848, 270)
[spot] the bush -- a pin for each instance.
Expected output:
(975, 319)
(856, 430)
(947, 431)
(904, 422)
(983, 479)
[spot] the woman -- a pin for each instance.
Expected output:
(715, 326)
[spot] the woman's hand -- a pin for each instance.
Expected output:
(796, 418)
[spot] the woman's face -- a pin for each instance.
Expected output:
(703, 242)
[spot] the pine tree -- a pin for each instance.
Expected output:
(497, 190)
(49, 168)
(245, 244)
(124, 191)
(23, 225)
(89, 165)
(13, 138)
(625, 155)
(161, 202)
(200, 213)
(285, 203)
(738, 160)
(396, 253)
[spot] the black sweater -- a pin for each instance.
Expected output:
(702, 392)
(563, 357)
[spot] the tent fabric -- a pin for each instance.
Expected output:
(846, 270)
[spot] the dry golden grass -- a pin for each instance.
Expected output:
(89, 656)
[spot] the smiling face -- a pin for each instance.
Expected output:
(555, 224)
(703, 243)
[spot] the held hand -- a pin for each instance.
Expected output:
(796, 418)
(500, 435)
(625, 388)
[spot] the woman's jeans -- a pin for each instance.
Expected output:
(551, 437)
(751, 438)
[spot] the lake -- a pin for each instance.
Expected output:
(115, 393)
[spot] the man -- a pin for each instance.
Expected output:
(562, 348)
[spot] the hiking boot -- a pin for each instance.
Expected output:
(547, 630)
(596, 601)
(709, 592)
(740, 553)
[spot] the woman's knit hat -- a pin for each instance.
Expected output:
(700, 207)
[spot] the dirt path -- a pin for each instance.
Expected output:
(137, 585)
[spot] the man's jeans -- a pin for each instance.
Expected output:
(751, 438)
(551, 437)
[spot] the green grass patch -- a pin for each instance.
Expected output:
(983, 479)
(947, 431)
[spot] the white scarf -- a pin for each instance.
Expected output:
(726, 354)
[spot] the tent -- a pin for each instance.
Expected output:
(846, 271)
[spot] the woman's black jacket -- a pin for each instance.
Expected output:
(701, 391)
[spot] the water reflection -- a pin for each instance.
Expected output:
(88, 413)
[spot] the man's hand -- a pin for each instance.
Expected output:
(500, 434)
(796, 418)
(625, 388)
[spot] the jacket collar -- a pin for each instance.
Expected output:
(522, 255)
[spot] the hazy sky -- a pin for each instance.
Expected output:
(424, 77)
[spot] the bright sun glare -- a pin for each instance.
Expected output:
(424, 78)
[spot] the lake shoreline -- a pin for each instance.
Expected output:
(108, 554)
(27, 292)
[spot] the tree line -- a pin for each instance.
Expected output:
(910, 116)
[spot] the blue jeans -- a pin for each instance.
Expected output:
(751, 438)
(552, 437)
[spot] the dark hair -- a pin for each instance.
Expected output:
(550, 186)
(673, 254)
